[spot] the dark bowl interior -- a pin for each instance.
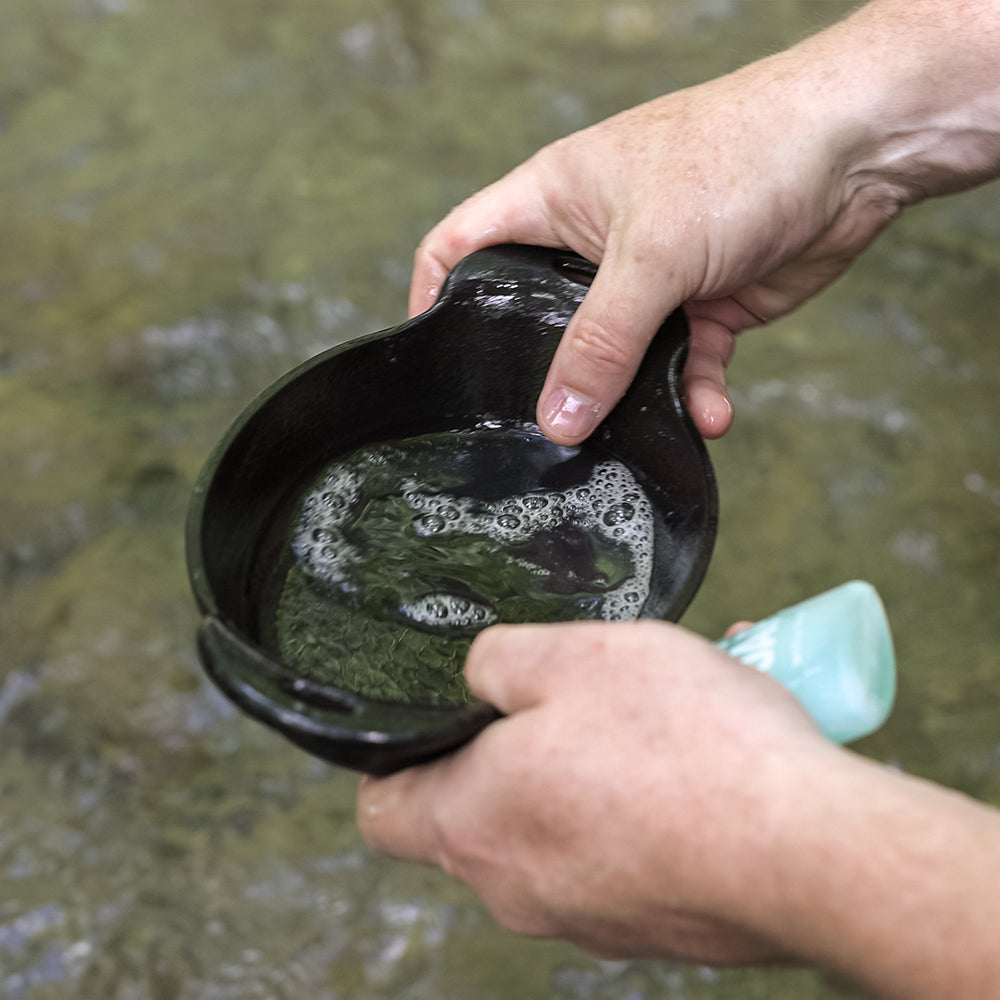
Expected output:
(481, 353)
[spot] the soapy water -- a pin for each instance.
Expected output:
(609, 503)
(404, 550)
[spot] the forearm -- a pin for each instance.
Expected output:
(892, 881)
(913, 88)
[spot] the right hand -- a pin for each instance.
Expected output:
(734, 198)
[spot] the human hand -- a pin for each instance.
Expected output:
(739, 198)
(728, 198)
(626, 800)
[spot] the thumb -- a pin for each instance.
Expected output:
(601, 349)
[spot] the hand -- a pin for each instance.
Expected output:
(732, 198)
(740, 198)
(626, 800)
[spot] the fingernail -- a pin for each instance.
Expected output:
(716, 415)
(569, 414)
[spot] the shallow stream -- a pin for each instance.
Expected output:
(194, 196)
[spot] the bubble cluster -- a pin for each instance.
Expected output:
(318, 542)
(449, 611)
(609, 504)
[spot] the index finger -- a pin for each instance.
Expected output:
(508, 211)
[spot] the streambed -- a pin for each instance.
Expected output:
(196, 196)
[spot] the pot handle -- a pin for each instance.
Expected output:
(533, 281)
(333, 724)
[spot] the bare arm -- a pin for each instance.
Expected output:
(647, 796)
(742, 197)
(892, 882)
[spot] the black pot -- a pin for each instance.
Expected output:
(481, 352)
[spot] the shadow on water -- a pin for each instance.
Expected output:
(196, 196)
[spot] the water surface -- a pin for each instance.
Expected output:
(196, 196)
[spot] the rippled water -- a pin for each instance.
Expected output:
(196, 196)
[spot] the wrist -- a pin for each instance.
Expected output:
(917, 92)
(888, 879)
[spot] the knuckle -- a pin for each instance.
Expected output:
(598, 346)
(716, 344)
(463, 849)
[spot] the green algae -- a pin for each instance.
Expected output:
(196, 196)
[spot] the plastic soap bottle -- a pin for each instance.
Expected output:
(834, 653)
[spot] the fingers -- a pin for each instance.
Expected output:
(505, 667)
(602, 347)
(704, 379)
(512, 666)
(430, 269)
(508, 211)
(603, 344)
(714, 325)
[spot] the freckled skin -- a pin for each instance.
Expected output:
(739, 198)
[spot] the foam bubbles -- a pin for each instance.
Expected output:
(429, 524)
(449, 611)
(319, 543)
(609, 505)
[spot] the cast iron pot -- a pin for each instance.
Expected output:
(480, 353)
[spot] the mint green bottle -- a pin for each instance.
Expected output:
(834, 653)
